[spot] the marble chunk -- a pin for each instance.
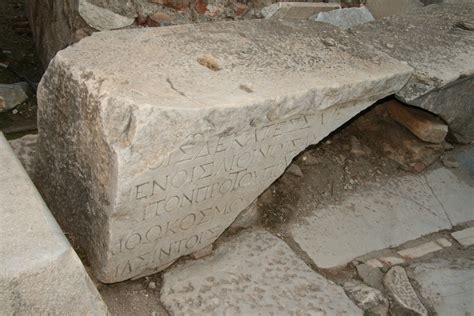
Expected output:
(345, 18)
(40, 272)
(254, 273)
(421, 250)
(151, 158)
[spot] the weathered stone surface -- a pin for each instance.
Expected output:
(255, 273)
(393, 211)
(437, 42)
(424, 125)
(296, 10)
(149, 158)
(25, 150)
(371, 275)
(383, 8)
(12, 95)
(345, 18)
(397, 284)
(465, 237)
(447, 284)
(40, 273)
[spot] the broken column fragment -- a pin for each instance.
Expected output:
(40, 274)
(147, 153)
(438, 42)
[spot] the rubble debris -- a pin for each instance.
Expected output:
(364, 296)
(12, 95)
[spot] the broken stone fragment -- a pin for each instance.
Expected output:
(25, 150)
(397, 284)
(102, 19)
(12, 95)
(345, 18)
(435, 41)
(149, 159)
(364, 296)
(371, 275)
(424, 125)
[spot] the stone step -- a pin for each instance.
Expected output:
(437, 42)
(152, 141)
(40, 274)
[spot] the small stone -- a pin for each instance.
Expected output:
(356, 147)
(12, 95)
(449, 162)
(420, 250)
(248, 217)
(210, 62)
(443, 242)
(204, 252)
(364, 296)
(426, 126)
(295, 170)
(345, 18)
(159, 19)
(370, 275)
(465, 237)
(397, 284)
(15, 111)
(374, 263)
(152, 285)
(391, 261)
(380, 310)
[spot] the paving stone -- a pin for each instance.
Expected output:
(345, 18)
(374, 263)
(453, 193)
(383, 8)
(25, 150)
(419, 251)
(444, 242)
(364, 296)
(255, 273)
(40, 272)
(397, 284)
(447, 284)
(394, 211)
(436, 41)
(392, 261)
(171, 145)
(465, 237)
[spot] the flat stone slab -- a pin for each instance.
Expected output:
(447, 284)
(40, 272)
(465, 236)
(394, 212)
(436, 41)
(255, 273)
(152, 141)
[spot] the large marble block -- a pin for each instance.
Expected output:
(152, 141)
(40, 274)
(438, 42)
